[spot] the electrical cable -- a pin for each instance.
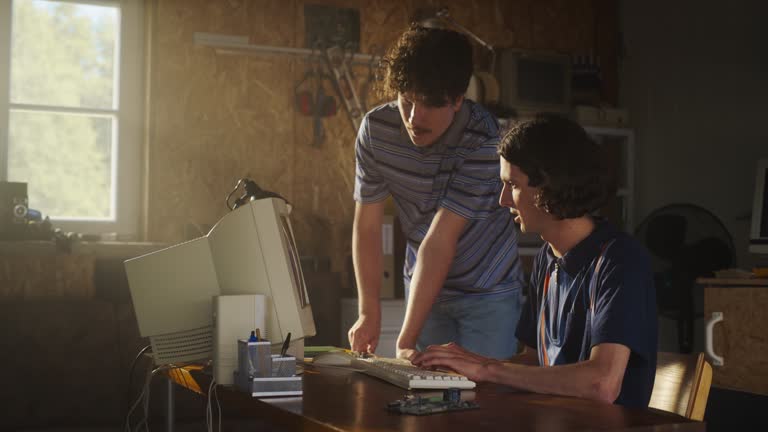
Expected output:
(145, 420)
(139, 399)
(208, 410)
(210, 415)
(130, 373)
(144, 398)
(218, 405)
(237, 186)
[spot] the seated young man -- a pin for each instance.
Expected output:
(589, 324)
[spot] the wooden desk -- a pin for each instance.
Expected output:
(340, 400)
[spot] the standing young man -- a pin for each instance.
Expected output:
(435, 153)
(590, 317)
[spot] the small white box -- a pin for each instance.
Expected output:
(234, 317)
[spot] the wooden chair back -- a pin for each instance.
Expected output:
(682, 384)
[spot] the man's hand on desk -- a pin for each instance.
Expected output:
(364, 334)
(456, 358)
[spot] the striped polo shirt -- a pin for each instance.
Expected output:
(459, 172)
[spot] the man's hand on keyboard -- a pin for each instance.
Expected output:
(456, 358)
(364, 334)
(406, 353)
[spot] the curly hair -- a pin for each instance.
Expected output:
(433, 63)
(569, 168)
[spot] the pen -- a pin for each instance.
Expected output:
(285, 344)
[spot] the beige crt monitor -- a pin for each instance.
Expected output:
(251, 250)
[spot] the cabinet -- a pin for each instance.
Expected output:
(739, 338)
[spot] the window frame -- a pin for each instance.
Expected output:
(129, 128)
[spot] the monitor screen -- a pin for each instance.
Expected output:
(534, 81)
(758, 241)
(251, 250)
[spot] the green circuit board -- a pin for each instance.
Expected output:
(417, 405)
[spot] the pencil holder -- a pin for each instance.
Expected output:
(254, 359)
(283, 366)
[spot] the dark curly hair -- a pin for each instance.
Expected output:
(569, 168)
(433, 63)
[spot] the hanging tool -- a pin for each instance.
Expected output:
(311, 99)
(344, 85)
(305, 101)
(318, 134)
(370, 79)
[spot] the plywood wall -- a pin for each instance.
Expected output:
(216, 118)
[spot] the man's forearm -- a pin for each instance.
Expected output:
(367, 257)
(432, 265)
(528, 357)
(584, 379)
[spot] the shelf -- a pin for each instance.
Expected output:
(101, 249)
(240, 45)
(609, 131)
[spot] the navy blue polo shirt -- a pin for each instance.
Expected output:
(601, 291)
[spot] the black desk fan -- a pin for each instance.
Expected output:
(686, 242)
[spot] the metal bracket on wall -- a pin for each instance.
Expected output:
(239, 45)
(337, 61)
(335, 57)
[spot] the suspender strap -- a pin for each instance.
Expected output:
(551, 278)
(595, 274)
(544, 357)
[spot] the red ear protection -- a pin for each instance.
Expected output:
(309, 103)
(305, 102)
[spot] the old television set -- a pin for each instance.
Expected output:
(758, 237)
(534, 82)
(251, 250)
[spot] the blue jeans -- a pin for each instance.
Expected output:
(483, 324)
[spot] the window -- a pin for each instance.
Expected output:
(70, 109)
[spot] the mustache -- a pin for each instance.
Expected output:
(418, 130)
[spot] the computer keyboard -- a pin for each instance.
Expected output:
(402, 373)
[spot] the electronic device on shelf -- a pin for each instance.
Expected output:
(758, 235)
(534, 82)
(402, 373)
